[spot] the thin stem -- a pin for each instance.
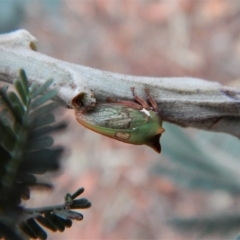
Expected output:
(45, 209)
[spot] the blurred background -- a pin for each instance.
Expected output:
(195, 183)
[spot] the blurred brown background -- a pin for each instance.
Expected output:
(138, 37)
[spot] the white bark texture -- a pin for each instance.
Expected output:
(188, 102)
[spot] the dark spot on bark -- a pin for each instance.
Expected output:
(77, 101)
(215, 121)
(231, 94)
(73, 85)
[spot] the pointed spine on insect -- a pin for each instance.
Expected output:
(135, 122)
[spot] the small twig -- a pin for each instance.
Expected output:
(70, 202)
(44, 209)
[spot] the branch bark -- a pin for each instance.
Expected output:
(188, 102)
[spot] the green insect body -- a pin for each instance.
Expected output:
(124, 121)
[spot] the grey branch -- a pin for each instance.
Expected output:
(188, 102)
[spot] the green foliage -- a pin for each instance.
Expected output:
(26, 149)
(54, 218)
(202, 161)
(222, 224)
(199, 164)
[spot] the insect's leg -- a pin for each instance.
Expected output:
(140, 100)
(151, 100)
(125, 103)
(111, 100)
(131, 104)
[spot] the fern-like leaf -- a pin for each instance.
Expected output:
(26, 149)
